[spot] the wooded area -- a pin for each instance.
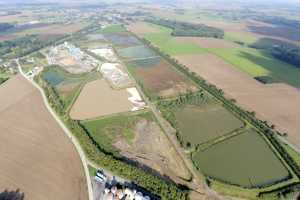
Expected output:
(184, 29)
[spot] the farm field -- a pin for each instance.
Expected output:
(158, 78)
(257, 63)
(256, 166)
(208, 42)
(138, 137)
(194, 123)
(253, 96)
(55, 29)
(252, 61)
(136, 53)
(98, 99)
(36, 155)
(122, 39)
(67, 85)
(169, 44)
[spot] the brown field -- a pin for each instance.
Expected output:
(164, 80)
(35, 154)
(276, 103)
(7, 37)
(152, 148)
(207, 42)
(141, 28)
(24, 16)
(98, 99)
(55, 29)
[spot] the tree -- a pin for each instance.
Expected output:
(12, 195)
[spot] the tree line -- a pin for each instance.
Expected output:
(5, 26)
(281, 50)
(188, 29)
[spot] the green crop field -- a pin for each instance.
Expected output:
(245, 37)
(168, 44)
(122, 40)
(136, 52)
(149, 62)
(245, 160)
(258, 63)
(199, 124)
(105, 131)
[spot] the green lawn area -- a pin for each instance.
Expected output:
(258, 63)
(168, 44)
(113, 29)
(136, 52)
(292, 153)
(196, 123)
(105, 131)
(247, 38)
(244, 160)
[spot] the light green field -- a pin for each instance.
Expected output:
(113, 29)
(136, 52)
(295, 155)
(247, 38)
(170, 45)
(196, 123)
(245, 160)
(259, 63)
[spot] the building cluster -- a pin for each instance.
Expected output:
(114, 193)
(67, 54)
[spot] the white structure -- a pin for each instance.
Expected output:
(135, 99)
(106, 53)
(113, 72)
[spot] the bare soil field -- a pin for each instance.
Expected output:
(276, 103)
(24, 16)
(55, 29)
(7, 37)
(141, 28)
(98, 99)
(35, 154)
(153, 149)
(207, 42)
(164, 80)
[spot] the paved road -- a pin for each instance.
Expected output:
(65, 129)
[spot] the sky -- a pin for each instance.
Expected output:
(94, 1)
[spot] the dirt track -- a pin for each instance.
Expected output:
(35, 154)
(276, 103)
